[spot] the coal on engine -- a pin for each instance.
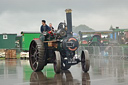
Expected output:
(58, 48)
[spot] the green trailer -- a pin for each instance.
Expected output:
(27, 37)
(7, 41)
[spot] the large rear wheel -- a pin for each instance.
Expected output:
(85, 62)
(36, 55)
(57, 62)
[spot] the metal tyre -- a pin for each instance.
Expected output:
(85, 62)
(36, 55)
(57, 62)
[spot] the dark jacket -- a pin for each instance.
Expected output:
(45, 28)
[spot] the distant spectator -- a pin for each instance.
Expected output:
(50, 25)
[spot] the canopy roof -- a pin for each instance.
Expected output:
(96, 32)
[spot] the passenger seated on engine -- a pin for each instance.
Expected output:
(46, 33)
(44, 27)
(51, 27)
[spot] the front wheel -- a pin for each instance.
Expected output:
(57, 62)
(85, 62)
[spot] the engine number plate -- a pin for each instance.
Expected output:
(72, 61)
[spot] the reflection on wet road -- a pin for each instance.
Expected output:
(64, 78)
(103, 71)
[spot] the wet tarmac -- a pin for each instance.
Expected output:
(103, 71)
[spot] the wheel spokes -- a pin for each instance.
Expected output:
(35, 63)
(33, 47)
(34, 55)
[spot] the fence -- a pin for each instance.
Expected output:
(111, 51)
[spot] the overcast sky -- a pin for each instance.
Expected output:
(26, 15)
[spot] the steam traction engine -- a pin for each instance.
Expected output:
(58, 48)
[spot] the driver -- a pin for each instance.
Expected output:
(44, 27)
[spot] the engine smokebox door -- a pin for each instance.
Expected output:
(70, 44)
